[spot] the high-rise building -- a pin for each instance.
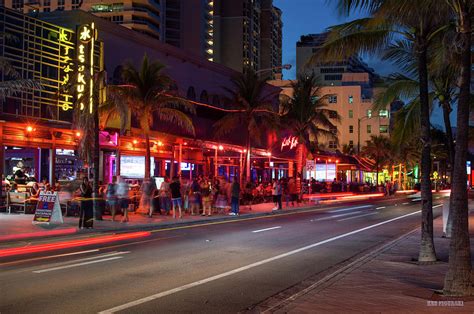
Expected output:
(271, 28)
(189, 25)
(329, 73)
(237, 33)
(144, 16)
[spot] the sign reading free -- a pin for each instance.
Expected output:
(48, 209)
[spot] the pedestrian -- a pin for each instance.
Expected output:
(194, 197)
(111, 195)
(123, 196)
(279, 192)
(145, 198)
(86, 211)
(235, 194)
(206, 194)
(293, 191)
(165, 196)
(275, 188)
(175, 188)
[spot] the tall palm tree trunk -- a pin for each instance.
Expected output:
(147, 156)
(247, 158)
(427, 250)
(449, 134)
(96, 162)
(301, 157)
(458, 277)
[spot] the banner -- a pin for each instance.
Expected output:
(48, 209)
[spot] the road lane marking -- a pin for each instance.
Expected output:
(349, 208)
(358, 216)
(247, 267)
(382, 207)
(77, 265)
(416, 199)
(336, 216)
(405, 203)
(266, 229)
(439, 205)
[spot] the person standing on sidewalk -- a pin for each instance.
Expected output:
(111, 195)
(293, 191)
(122, 194)
(235, 194)
(165, 195)
(206, 193)
(194, 197)
(86, 210)
(175, 188)
(279, 192)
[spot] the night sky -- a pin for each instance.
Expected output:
(302, 17)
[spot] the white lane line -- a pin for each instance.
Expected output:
(381, 207)
(349, 208)
(405, 203)
(76, 265)
(266, 229)
(87, 259)
(336, 216)
(439, 205)
(416, 199)
(247, 267)
(75, 253)
(358, 216)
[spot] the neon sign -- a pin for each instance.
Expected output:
(66, 66)
(291, 141)
(86, 35)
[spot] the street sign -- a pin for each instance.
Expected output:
(48, 209)
(310, 165)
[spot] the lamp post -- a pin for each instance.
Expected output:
(283, 67)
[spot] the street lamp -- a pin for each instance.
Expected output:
(284, 67)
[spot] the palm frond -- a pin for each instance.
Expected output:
(13, 87)
(177, 117)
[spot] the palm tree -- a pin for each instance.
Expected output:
(458, 277)
(252, 111)
(146, 93)
(305, 113)
(378, 149)
(419, 22)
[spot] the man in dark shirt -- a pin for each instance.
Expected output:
(175, 188)
(235, 194)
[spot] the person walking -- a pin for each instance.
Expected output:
(165, 196)
(194, 197)
(293, 191)
(86, 211)
(123, 197)
(111, 195)
(175, 188)
(206, 197)
(235, 194)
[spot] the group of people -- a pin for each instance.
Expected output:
(177, 196)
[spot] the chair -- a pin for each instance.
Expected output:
(17, 199)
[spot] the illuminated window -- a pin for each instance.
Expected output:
(351, 114)
(383, 129)
(369, 113)
(369, 129)
(383, 113)
(351, 99)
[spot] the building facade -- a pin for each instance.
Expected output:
(271, 40)
(353, 102)
(328, 73)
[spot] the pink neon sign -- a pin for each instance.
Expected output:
(291, 141)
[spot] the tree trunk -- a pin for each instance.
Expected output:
(427, 250)
(96, 162)
(301, 158)
(147, 156)
(376, 176)
(458, 278)
(247, 159)
(449, 135)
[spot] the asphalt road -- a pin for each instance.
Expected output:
(215, 268)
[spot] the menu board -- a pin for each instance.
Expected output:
(48, 209)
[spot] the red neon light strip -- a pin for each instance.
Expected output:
(37, 234)
(71, 244)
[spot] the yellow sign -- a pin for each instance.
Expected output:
(65, 57)
(85, 67)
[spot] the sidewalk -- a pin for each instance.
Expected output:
(388, 281)
(15, 227)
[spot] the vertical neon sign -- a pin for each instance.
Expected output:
(86, 36)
